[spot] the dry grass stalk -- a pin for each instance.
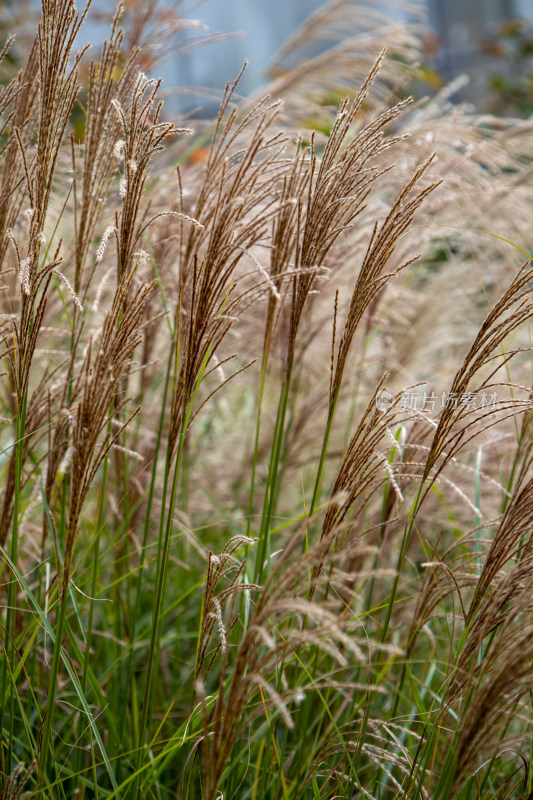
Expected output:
(360, 475)
(97, 385)
(234, 211)
(49, 110)
(227, 568)
(338, 187)
(102, 132)
(143, 135)
(372, 277)
(270, 641)
(347, 34)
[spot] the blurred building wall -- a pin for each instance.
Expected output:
(463, 25)
(472, 40)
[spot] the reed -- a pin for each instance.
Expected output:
(267, 487)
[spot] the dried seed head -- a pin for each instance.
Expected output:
(67, 284)
(142, 256)
(99, 291)
(65, 461)
(217, 614)
(118, 149)
(24, 275)
(103, 243)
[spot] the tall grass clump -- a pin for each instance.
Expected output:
(267, 488)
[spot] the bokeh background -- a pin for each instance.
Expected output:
(489, 41)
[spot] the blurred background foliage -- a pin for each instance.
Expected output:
(488, 42)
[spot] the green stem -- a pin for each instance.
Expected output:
(157, 608)
(147, 519)
(382, 525)
(401, 557)
(256, 447)
(272, 480)
(11, 614)
(95, 571)
(46, 744)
